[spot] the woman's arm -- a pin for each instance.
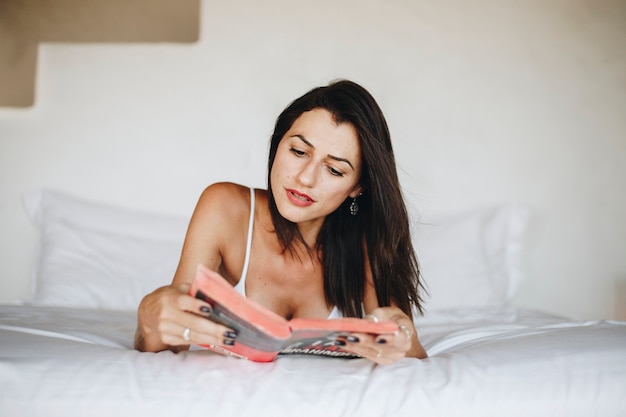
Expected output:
(165, 314)
(385, 349)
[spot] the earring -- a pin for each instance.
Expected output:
(354, 207)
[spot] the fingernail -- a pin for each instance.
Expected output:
(340, 343)
(206, 309)
(381, 341)
(229, 342)
(230, 335)
(352, 339)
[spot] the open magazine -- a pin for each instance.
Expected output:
(263, 334)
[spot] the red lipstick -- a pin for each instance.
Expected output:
(298, 198)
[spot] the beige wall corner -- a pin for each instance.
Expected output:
(18, 62)
(25, 23)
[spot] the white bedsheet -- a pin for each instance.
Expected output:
(75, 362)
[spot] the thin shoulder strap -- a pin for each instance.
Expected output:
(246, 261)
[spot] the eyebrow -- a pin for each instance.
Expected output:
(336, 158)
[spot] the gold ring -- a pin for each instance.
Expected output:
(186, 333)
(379, 354)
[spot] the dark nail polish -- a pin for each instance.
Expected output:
(230, 335)
(340, 343)
(352, 339)
(229, 342)
(206, 310)
(381, 341)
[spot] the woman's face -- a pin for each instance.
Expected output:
(317, 166)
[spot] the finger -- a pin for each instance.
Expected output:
(184, 288)
(370, 347)
(207, 331)
(185, 312)
(365, 345)
(404, 332)
(193, 329)
(378, 354)
(186, 302)
(380, 314)
(372, 317)
(393, 339)
(367, 351)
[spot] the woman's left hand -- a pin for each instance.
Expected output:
(386, 349)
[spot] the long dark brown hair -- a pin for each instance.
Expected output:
(381, 225)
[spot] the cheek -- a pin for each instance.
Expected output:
(284, 164)
(339, 195)
(279, 174)
(277, 169)
(273, 176)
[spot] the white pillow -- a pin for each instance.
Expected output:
(473, 259)
(97, 256)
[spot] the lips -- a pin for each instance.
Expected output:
(298, 198)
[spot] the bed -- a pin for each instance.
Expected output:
(67, 350)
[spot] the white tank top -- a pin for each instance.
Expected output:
(241, 285)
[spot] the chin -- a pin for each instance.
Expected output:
(289, 214)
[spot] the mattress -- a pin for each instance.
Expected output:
(57, 361)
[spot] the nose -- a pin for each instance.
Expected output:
(308, 174)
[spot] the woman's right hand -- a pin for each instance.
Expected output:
(169, 318)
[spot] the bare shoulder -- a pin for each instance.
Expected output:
(222, 210)
(218, 225)
(225, 198)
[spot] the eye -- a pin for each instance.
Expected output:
(335, 172)
(297, 152)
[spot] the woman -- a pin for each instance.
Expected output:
(330, 236)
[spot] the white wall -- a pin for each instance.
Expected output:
(487, 102)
